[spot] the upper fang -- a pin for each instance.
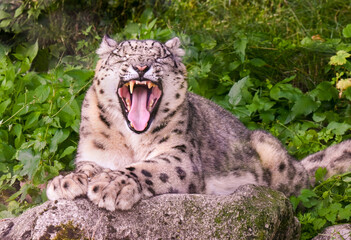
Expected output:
(131, 86)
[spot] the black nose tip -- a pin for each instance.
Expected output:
(141, 69)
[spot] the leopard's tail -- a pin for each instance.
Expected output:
(336, 159)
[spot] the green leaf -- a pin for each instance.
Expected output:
(322, 211)
(17, 130)
(4, 15)
(29, 160)
(19, 11)
(6, 214)
(303, 106)
(308, 198)
(209, 44)
(6, 152)
(319, 223)
(236, 93)
(5, 23)
(80, 74)
(325, 91)
(240, 47)
(147, 15)
(25, 65)
(294, 201)
(234, 65)
(345, 214)
(32, 119)
(39, 145)
(268, 116)
(334, 210)
(339, 128)
(75, 125)
(59, 137)
(289, 79)
(132, 29)
(241, 112)
(69, 150)
(151, 24)
(339, 58)
(260, 104)
(347, 31)
(318, 117)
(335, 207)
(347, 93)
(4, 105)
(287, 91)
(54, 170)
(39, 176)
(257, 62)
(320, 174)
(32, 51)
(42, 93)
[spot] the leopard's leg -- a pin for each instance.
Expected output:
(123, 189)
(74, 184)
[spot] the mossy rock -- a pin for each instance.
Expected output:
(252, 212)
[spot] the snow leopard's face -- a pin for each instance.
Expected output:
(143, 80)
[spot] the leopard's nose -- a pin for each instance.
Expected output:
(141, 69)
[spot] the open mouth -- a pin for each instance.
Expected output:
(139, 101)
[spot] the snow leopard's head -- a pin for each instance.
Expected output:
(144, 80)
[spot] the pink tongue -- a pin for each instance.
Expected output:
(138, 114)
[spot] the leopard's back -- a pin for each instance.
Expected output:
(231, 155)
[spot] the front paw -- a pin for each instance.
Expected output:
(67, 187)
(114, 191)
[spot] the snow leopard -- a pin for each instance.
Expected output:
(143, 134)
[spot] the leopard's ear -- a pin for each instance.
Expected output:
(107, 45)
(173, 46)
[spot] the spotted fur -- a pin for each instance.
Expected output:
(142, 134)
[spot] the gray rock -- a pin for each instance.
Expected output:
(252, 212)
(337, 232)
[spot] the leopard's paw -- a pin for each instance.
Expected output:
(114, 191)
(67, 187)
(88, 168)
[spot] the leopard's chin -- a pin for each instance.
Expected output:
(139, 100)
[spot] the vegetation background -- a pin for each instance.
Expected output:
(278, 65)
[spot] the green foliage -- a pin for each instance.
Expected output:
(283, 66)
(147, 28)
(306, 122)
(288, 37)
(39, 123)
(65, 27)
(329, 203)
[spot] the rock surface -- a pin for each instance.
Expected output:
(252, 212)
(337, 232)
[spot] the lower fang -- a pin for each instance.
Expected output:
(128, 104)
(151, 103)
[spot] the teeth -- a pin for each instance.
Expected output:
(131, 124)
(151, 103)
(128, 104)
(132, 83)
(131, 86)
